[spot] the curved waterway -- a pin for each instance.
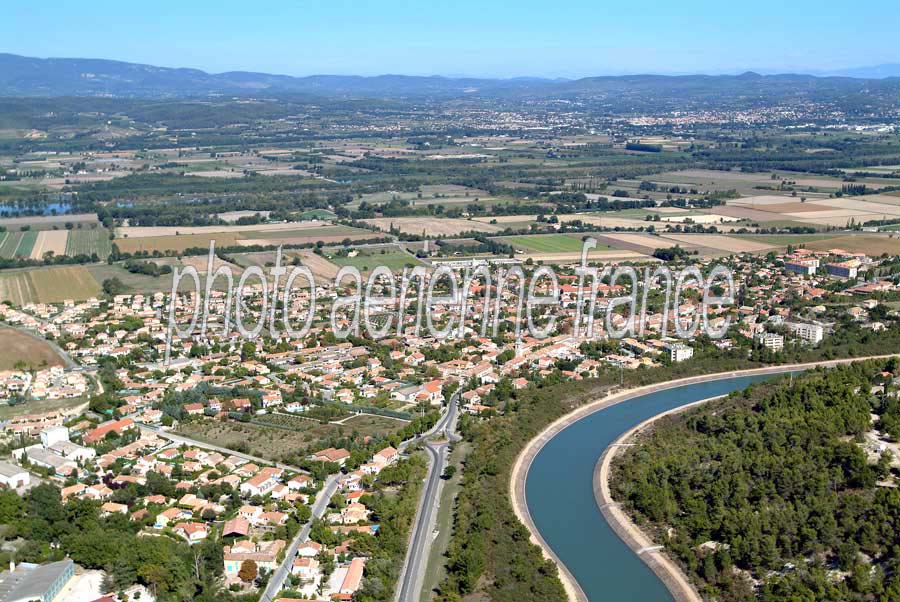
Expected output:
(560, 495)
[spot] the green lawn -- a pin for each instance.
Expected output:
(545, 243)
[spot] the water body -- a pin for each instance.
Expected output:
(560, 495)
(44, 209)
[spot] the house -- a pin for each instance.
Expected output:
(193, 409)
(113, 508)
(170, 516)
(305, 568)
(250, 513)
(309, 549)
(192, 532)
(301, 481)
(264, 554)
(353, 578)
(385, 457)
(260, 485)
(236, 526)
(354, 513)
(111, 426)
(337, 456)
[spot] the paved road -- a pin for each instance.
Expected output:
(276, 581)
(416, 561)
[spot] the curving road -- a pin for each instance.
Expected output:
(414, 565)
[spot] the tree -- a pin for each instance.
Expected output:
(113, 286)
(248, 570)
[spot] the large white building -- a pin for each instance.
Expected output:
(771, 340)
(679, 352)
(13, 476)
(811, 333)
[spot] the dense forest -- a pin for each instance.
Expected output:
(769, 494)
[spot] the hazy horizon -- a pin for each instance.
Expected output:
(462, 39)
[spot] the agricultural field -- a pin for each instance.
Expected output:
(432, 226)
(20, 348)
(545, 243)
(48, 285)
(48, 222)
(162, 239)
(254, 230)
(49, 241)
(174, 243)
(85, 241)
(17, 244)
(871, 244)
(368, 259)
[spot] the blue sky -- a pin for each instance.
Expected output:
(498, 39)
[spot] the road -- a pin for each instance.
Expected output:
(414, 565)
(278, 578)
(276, 581)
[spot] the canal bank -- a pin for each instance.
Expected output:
(552, 483)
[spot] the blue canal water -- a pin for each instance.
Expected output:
(58, 208)
(560, 495)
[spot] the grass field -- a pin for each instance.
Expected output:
(86, 241)
(545, 243)
(48, 285)
(21, 347)
(369, 259)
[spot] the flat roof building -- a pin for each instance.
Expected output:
(30, 582)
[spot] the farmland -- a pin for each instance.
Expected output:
(17, 244)
(86, 241)
(432, 227)
(170, 239)
(48, 285)
(49, 241)
(162, 244)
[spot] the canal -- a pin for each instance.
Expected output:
(560, 495)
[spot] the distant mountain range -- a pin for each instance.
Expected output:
(24, 76)
(873, 72)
